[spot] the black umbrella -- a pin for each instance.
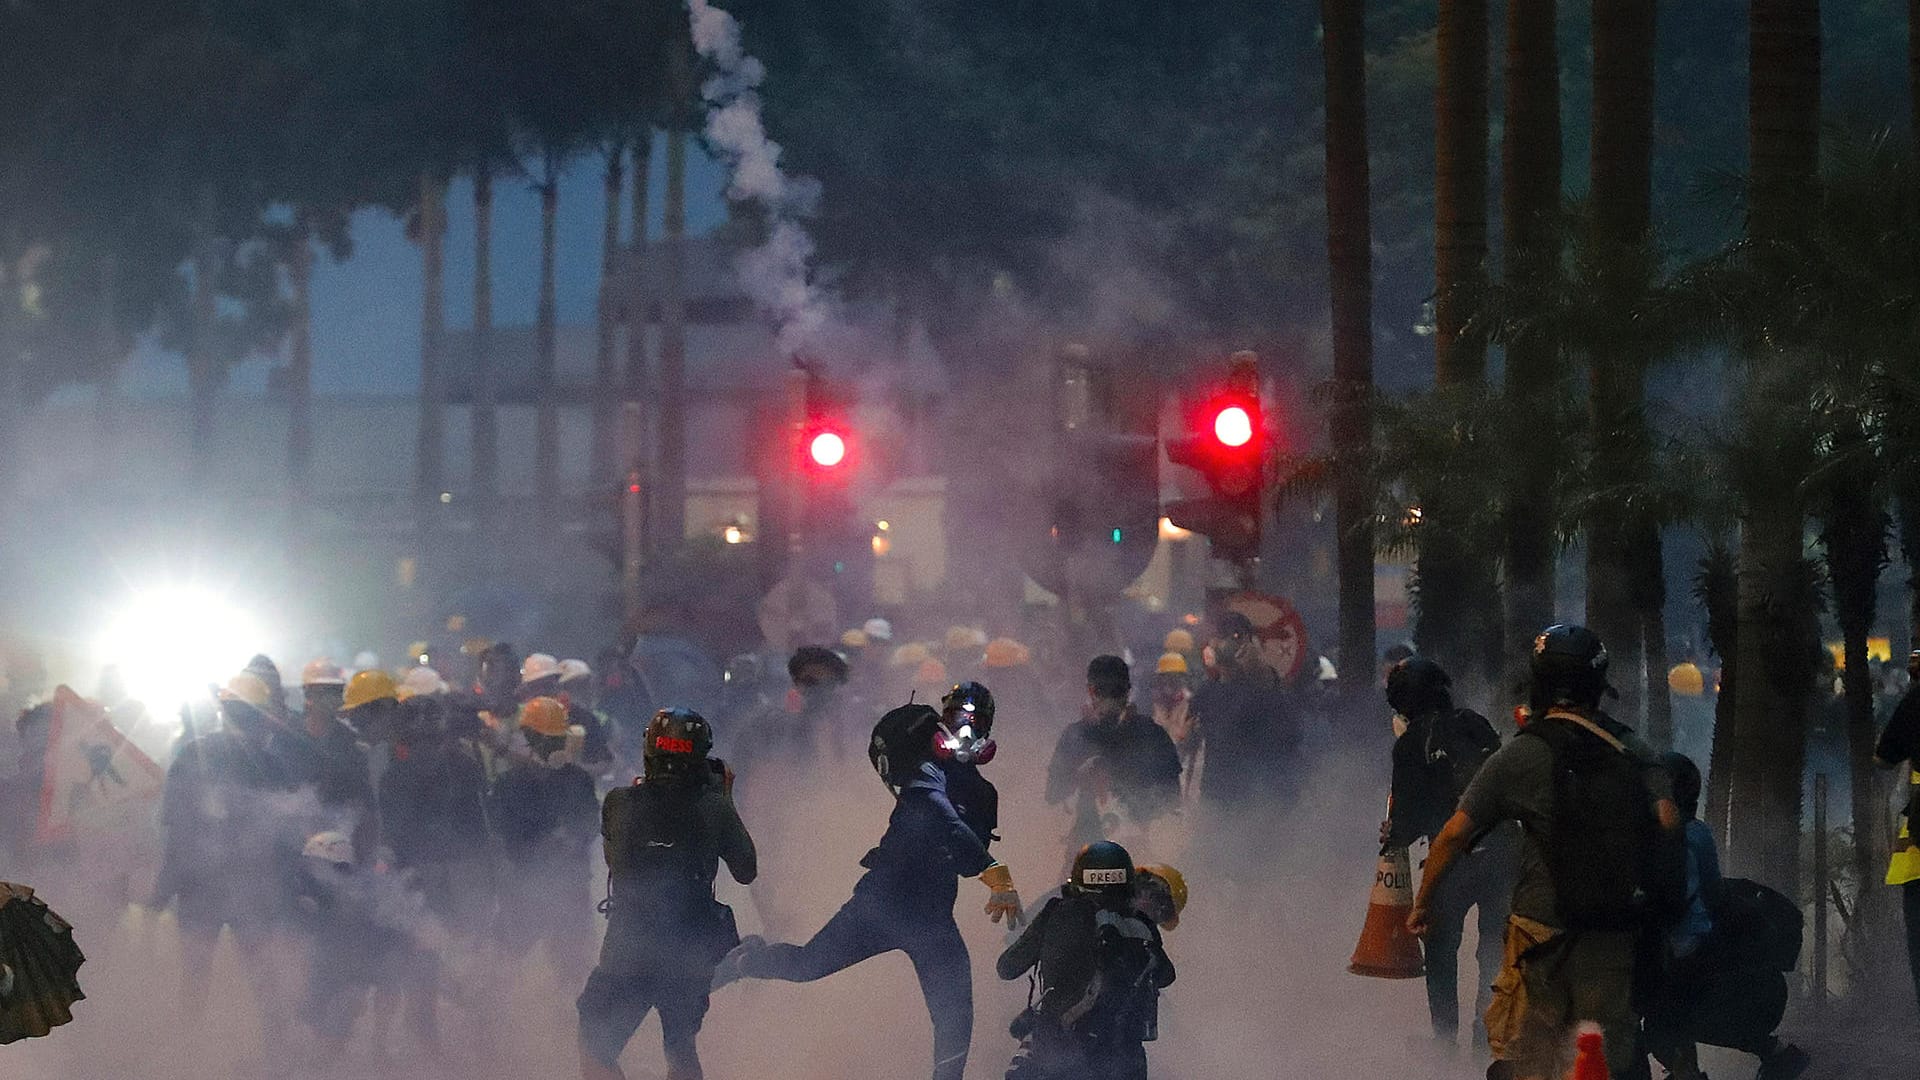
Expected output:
(39, 965)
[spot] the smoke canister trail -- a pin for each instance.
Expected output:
(777, 273)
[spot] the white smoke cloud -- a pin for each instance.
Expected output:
(778, 273)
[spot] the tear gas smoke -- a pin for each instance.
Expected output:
(777, 273)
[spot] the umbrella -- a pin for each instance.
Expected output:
(41, 962)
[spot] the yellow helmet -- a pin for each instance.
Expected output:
(912, 655)
(1180, 641)
(855, 639)
(1176, 886)
(1686, 679)
(368, 687)
(544, 716)
(248, 689)
(1171, 664)
(1007, 653)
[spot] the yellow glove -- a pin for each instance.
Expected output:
(1004, 900)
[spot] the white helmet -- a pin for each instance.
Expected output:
(323, 672)
(878, 630)
(538, 666)
(422, 680)
(329, 847)
(574, 669)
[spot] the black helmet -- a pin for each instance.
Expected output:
(902, 742)
(1417, 686)
(1103, 867)
(1569, 668)
(1686, 781)
(677, 742)
(966, 725)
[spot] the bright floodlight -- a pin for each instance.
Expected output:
(827, 449)
(1233, 427)
(171, 643)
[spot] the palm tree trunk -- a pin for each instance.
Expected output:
(605, 367)
(430, 443)
(1622, 196)
(485, 419)
(633, 415)
(1456, 590)
(203, 366)
(1530, 204)
(546, 455)
(1350, 274)
(1784, 114)
(670, 485)
(1718, 591)
(300, 367)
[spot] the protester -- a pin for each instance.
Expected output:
(1119, 769)
(1595, 809)
(546, 815)
(1899, 747)
(1246, 724)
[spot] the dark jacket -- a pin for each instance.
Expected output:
(1115, 754)
(433, 803)
(230, 847)
(942, 823)
(1098, 962)
(1432, 762)
(1251, 736)
(545, 816)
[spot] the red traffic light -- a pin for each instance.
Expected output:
(827, 449)
(1233, 426)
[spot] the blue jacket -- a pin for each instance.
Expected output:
(942, 823)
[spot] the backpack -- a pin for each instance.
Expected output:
(1457, 744)
(1611, 867)
(658, 870)
(1757, 927)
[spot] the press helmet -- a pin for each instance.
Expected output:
(902, 741)
(966, 725)
(1103, 868)
(1569, 667)
(1417, 686)
(677, 742)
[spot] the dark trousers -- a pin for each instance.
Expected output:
(1051, 1054)
(1482, 881)
(1910, 905)
(868, 926)
(640, 973)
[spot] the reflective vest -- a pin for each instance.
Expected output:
(1904, 867)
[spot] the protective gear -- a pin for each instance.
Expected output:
(1178, 641)
(931, 675)
(421, 681)
(1176, 884)
(329, 847)
(418, 651)
(368, 687)
(545, 716)
(855, 639)
(902, 741)
(1686, 679)
(571, 670)
(323, 672)
(538, 666)
(1418, 686)
(677, 742)
(877, 630)
(1003, 901)
(813, 656)
(366, 660)
(1569, 667)
(962, 638)
(1007, 653)
(1103, 867)
(911, 655)
(248, 689)
(966, 725)
(1171, 664)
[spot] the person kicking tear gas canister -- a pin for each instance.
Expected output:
(665, 837)
(1100, 967)
(943, 819)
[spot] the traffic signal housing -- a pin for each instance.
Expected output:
(1227, 443)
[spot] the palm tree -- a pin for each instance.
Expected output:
(485, 420)
(1530, 200)
(669, 502)
(1771, 713)
(605, 366)
(634, 382)
(546, 451)
(430, 444)
(1350, 270)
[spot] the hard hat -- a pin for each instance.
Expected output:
(931, 673)
(877, 630)
(966, 725)
(574, 669)
(1007, 653)
(1102, 867)
(1180, 641)
(248, 689)
(417, 650)
(1171, 664)
(1569, 666)
(329, 847)
(474, 646)
(538, 666)
(1686, 679)
(367, 687)
(366, 660)
(855, 639)
(544, 716)
(966, 637)
(912, 654)
(676, 743)
(811, 657)
(322, 672)
(419, 680)
(1417, 686)
(1176, 884)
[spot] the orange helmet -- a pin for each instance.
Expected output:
(544, 716)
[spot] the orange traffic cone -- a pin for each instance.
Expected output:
(1590, 1057)
(1387, 950)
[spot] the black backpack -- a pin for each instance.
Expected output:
(1457, 745)
(661, 869)
(1612, 867)
(1757, 927)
